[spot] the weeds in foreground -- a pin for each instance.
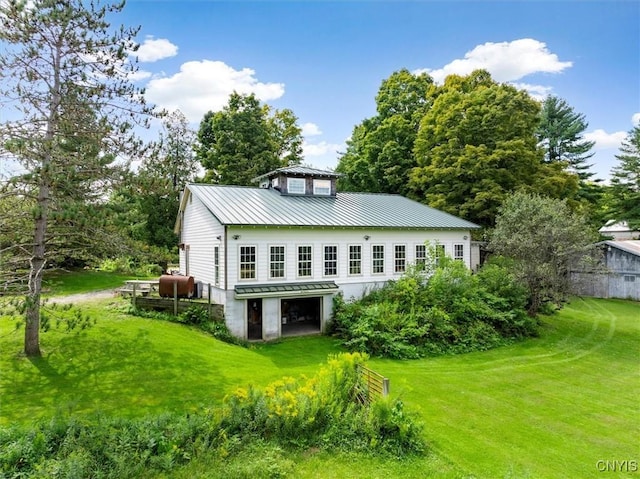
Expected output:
(318, 412)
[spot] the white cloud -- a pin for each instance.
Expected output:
(506, 61)
(539, 92)
(153, 50)
(321, 148)
(605, 140)
(205, 85)
(140, 75)
(635, 119)
(310, 129)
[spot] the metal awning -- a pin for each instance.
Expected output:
(244, 291)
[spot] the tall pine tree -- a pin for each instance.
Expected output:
(71, 108)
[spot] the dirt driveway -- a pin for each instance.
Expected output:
(83, 297)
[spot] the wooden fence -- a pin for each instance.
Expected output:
(145, 298)
(372, 385)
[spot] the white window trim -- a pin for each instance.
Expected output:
(455, 247)
(373, 260)
(395, 258)
(284, 262)
(317, 188)
(255, 247)
(216, 265)
(349, 273)
(298, 260)
(324, 260)
(290, 181)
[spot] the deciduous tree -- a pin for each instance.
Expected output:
(546, 240)
(245, 140)
(379, 154)
(476, 144)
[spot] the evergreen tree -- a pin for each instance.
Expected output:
(66, 78)
(625, 180)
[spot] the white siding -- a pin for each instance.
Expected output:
(199, 235)
(291, 238)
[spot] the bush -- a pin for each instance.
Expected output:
(322, 411)
(449, 311)
(106, 447)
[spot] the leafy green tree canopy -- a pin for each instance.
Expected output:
(476, 144)
(379, 153)
(246, 139)
(546, 240)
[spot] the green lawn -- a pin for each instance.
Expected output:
(62, 282)
(549, 407)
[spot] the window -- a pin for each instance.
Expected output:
(400, 262)
(276, 262)
(330, 260)
(295, 186)
(378, 258)
(458, 251)
(247, 262)
(216, 265)
(355, 259)
(440, 253)
(322, 187)
(629, 278)
(304, 261)
(275, 183)
(421, 254)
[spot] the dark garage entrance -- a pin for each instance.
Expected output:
(300, 316)
(254, 319)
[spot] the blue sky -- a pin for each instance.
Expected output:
(325, 60)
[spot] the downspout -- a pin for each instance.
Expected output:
(226, 258)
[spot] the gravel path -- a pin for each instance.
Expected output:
(82, 297)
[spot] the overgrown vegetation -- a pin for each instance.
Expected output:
(429, 312)
(320, 411)
(323, 411)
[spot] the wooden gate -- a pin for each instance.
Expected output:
(371, 386)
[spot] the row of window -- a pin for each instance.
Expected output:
(297, 186)
(330, 261)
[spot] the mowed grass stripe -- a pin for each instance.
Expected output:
(548, 407)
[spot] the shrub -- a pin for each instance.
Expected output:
(448, 310)
(321, 411)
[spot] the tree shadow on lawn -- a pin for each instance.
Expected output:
(301, 351)
(114, 372)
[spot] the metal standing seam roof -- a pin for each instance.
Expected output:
(246, 206)
(300, 170)
(285, 287)
(630, 246)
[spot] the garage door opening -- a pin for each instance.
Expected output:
(300, 316)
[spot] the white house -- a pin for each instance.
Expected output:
(619, 230)
(275, 256)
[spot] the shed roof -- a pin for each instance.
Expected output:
(300, 171)
(630, 246)
(245, 206)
